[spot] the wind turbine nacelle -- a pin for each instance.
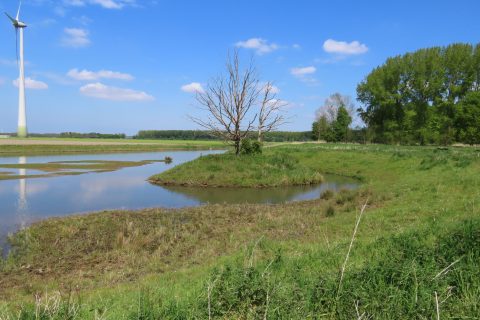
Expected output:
(19, 24)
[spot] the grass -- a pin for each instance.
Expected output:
(419, 239)
(274, 169)
(42, 146)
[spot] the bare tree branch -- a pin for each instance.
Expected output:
(270, 116)
(230, 102)
(236, 101)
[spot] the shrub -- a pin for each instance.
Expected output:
(250, 147)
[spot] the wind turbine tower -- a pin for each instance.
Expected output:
(22, 117)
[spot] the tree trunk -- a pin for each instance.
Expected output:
(237, 147)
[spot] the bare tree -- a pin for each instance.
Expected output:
(230, 101)
(331, 105)
(270, 115)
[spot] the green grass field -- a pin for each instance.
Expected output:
(416, 254)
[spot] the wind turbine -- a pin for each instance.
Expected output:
(22, 117)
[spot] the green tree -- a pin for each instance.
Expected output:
(321, 128)
(414, 98)
(341, 124)
(467, 120)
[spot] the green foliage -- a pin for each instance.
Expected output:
(249, 146)
(341, 124)
(274, 136)
(321, 129)
(424, 97)
(175, 135)
(337, 130)
(467, 119)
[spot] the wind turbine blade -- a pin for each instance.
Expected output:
(18, 12)
(9, 17)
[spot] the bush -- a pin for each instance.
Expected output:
(330, 211)
(327, 195)
(250, 147)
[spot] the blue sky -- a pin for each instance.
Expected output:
(127, 65)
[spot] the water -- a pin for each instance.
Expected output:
(25, 201)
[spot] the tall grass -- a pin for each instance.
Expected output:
(402, 277)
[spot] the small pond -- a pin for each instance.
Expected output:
(23, 201)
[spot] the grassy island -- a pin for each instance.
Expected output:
(272, 169)
(414, 255)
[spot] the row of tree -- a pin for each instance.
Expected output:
(175, 135)
(272, 136)
(430, 96)
(92, 135)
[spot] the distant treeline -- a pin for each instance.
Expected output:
(94, 135)
(285, 136)
(278, 136)
(175, 135)
(431, 96)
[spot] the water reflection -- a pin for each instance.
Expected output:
(22, 195)
(264, 195)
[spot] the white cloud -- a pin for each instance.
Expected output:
(342, 47)
(86, 75)
(101, 91)
(75, 38)
(107, 4)
(193, 87)
(261, 46)
(2, 81)
(305, 74)
(32, 84)
(297, 46)
(299, 72)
